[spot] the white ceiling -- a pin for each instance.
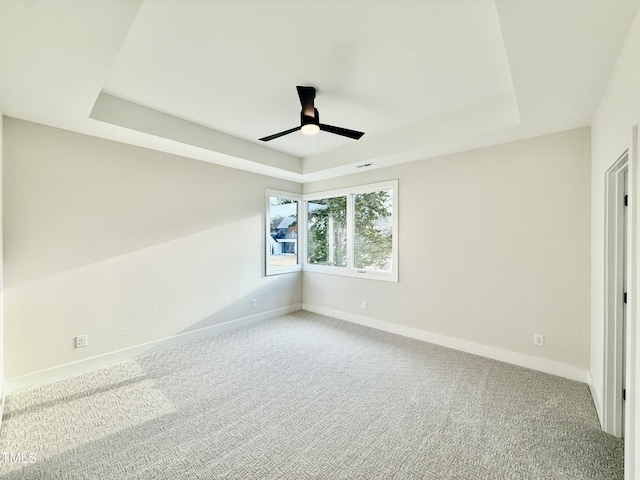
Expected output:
(206, 79)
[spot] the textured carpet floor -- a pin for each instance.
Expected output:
(306, 396)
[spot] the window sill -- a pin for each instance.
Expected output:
(345, 272)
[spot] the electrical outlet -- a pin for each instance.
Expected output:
(254, 302)
(81, 341)
(364, 305)
(538, 340)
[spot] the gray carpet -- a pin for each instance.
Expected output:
(306, 396)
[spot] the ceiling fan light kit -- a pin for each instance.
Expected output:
(310, 119)
(310, 129)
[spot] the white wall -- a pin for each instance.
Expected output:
(127, 245)
(612, 125)
(1, 275)
(494, 247)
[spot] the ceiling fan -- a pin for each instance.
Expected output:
(310, 119)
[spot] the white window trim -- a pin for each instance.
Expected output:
(350, 193)
(348, 271)
(269, 270)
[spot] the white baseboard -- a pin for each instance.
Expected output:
(597, 399)
(520, 359)
(64, 371)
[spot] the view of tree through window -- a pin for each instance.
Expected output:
(373, 214)
(327, 232)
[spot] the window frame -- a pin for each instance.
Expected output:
(350, 193)
(305, 211)
(301, 237)
(302, 210)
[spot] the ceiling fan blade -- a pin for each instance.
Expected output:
(307, 96)
(345, 132)
(281, 134)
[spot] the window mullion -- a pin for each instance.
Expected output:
(350, 232)
(302, 232)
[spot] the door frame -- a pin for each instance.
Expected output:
(615, 268)
(632, 414)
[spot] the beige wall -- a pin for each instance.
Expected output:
(618, 113)
(126, 245)
(132, 246)
(494, 247)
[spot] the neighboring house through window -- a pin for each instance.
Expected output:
(282, 232)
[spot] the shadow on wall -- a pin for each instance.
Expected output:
(143, 297)
(282, 290)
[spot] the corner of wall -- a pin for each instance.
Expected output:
(596, 396)
(3, 389)
(2, 382)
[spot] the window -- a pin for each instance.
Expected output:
(282, 232)
(351, 232)
(373, 236)
(327, 231)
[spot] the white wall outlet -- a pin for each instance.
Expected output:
(364, 304)
(81, 341)
(538, 340)
(254, 302)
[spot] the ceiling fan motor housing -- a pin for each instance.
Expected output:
(307, 119)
